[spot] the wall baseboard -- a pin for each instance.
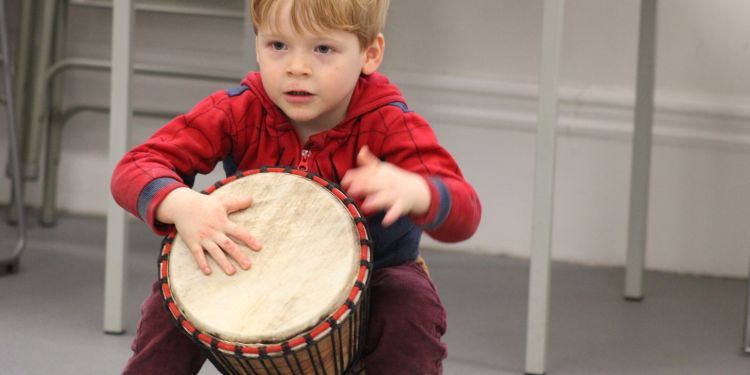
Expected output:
(587, 112)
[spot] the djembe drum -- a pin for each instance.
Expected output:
(302, 306)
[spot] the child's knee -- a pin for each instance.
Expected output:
(406, 298)
(406, 325)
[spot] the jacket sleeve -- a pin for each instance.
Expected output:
(455, 210)
(191, 143)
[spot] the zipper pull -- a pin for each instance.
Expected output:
(303, 162)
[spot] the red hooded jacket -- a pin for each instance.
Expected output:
(243, 128)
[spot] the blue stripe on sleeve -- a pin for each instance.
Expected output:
(237, 90)
(401, 105)
(149, 192)
(445, 204)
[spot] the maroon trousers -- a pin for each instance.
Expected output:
(407, 321)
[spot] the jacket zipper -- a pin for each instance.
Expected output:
(305, 158)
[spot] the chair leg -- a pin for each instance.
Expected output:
(48, 212)
(10, 265)
(23, 80)
(746, 344)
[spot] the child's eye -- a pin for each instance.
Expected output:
(323, 49)
(278, 46)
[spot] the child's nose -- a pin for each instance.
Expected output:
(298, 66)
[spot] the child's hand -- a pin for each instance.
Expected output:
(203, 224)
(385, 186)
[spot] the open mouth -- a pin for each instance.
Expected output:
(298, 93)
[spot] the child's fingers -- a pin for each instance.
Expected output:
(366, 173)
(366, 158)
(353, 177)
(393, 213)
(371, 204)
(232, 204)
(234, 252)
(352, 184)
(362, 181)
(238, 232)
(218, 255)
(378, 200)
(200, 258)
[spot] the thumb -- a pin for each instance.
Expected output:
(233, 204)
(366, 158)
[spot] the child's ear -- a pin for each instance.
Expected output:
(373, 55)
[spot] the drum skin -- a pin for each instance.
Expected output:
(301, 307)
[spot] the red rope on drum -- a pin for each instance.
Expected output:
(225, 346)
(320, 181)
(362, 231)
(340, 195)
(174, 310)
(299, 172)
(353, 210)
(165, 291)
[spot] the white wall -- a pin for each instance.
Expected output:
(471, 69)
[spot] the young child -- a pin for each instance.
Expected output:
(317, 104)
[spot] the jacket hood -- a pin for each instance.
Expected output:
(371, 92)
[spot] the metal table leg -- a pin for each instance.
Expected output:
(641, 158)
(10, 265)
(25, 57)
(53, 127)
(544, 183)
(120, 116)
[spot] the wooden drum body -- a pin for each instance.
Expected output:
(302, 306)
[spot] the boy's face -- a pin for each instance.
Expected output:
(311, 76)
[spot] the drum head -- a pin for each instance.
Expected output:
(307, 266)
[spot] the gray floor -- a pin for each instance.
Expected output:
(51, 312)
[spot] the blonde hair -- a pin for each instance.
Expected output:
(363, 18)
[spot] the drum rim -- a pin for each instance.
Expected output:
(307, 338)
